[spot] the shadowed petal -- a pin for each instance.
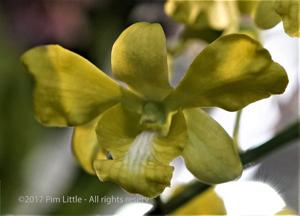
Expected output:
(86, 147)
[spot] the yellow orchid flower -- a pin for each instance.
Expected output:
(129, 135)
(199, 14)
(225, 15)
(209, 19)
(270, 13)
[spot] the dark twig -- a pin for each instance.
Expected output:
(248, 158)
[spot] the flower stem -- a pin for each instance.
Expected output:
(251, 156)
(248, 158)
(236, 129)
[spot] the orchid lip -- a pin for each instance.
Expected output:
(139, 151)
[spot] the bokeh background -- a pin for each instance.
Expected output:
(37, 161)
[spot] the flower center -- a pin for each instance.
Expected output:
(155, 118)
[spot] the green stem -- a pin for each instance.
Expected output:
(248, 158)
(236, 129)
(252, 156)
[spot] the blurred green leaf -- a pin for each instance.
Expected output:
(18, 129)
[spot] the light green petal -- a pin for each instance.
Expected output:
(197, 14)
(230, 73)
(269, 13)
(140, 158)
(265, 16)
(221, 14)
(246, 6)
(69, 90)
(210, 154)
(289, 11)
(85, 146)
(139, 58)
(191, 13)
